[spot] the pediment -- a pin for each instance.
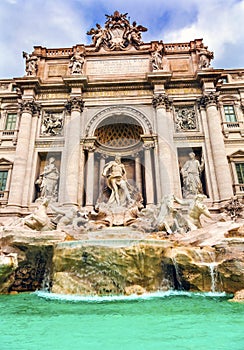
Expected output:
(4, 161)
(237, 154)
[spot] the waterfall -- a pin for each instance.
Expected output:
(213, 274)
(46, 282)
(177, 274)
(207, 258)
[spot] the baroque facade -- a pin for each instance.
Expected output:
(153, 104)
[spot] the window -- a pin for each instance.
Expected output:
(3, 179)
(240, 172)
(230, 113)
(11, 121)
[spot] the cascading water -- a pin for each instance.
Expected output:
(207, 258)
(177, 274)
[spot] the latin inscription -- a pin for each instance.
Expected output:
(117, 66)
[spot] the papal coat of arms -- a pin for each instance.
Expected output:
(118, 33)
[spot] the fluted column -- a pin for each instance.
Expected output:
(90, 175)
(148, 144)
(28, 108)
(101, 178)
(72, 150)
(222, 171)
(167, 154)
(138, 174)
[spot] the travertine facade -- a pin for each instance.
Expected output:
(151, 103)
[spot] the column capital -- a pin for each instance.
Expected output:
(74, 104)
(161, 100)
(29, 106)
(89, 144)
(208, 99)
(148, 141)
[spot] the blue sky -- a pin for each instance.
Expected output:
(64, 23)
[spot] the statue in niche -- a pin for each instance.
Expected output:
(77, 62)
(52, 124)
(119, 202)
(48, 181)
(115, 174)
(191, 172)
(31, 64)
(186, 119)
(157, 58)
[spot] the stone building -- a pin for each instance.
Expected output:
(152, 103)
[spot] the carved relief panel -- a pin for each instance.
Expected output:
(185, 119)
(52, 123)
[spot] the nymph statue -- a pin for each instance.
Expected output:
(191, 172)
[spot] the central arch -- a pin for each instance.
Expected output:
(120, 113)
(121, 130)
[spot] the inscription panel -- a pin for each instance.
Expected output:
(55, 70)
(117, 66)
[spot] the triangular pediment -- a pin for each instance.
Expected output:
(4, 161)
(237, 154)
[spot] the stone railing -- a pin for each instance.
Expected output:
(59, 52)
(8, 135)
(238, 188)
(4, 197)
(229, 127)
(177, 47)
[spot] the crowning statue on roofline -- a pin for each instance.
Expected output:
(118, 33)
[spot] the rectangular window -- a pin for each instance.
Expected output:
(240, 172)
(229, 113)
(3, 180)
(11, 121)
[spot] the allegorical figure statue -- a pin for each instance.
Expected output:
(115, 174)
(76, 63)
(31, 64)
(156, 59)
(48, 180)
(191, 172)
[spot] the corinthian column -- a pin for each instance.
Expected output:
(28, 108)
(222, 171)
(72, 151)
(167, 154)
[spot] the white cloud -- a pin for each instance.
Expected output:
(220, 24)
(63, 23)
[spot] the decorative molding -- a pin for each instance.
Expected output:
(107, 112)
(49, 143)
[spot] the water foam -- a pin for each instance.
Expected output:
(111, 298)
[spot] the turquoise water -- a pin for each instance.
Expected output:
(160, 321)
